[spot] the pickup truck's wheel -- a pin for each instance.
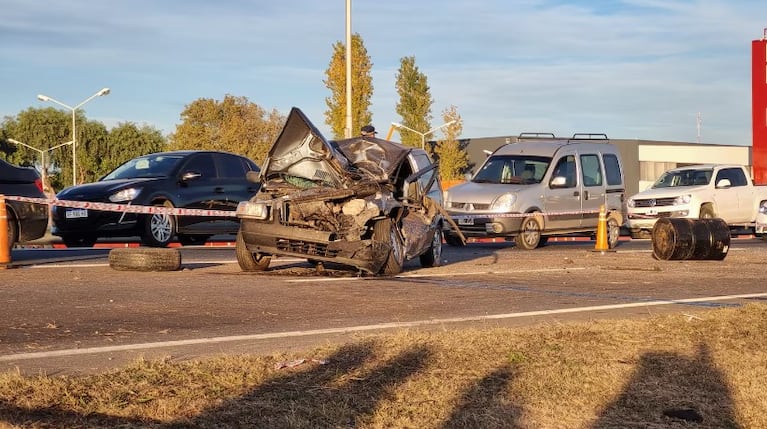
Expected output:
(529, 234)
(384, 231)
(159, 228)
(248, 260)
(613, 233)
(706, 212)
(433, 256)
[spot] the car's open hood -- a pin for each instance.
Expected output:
(301, 151)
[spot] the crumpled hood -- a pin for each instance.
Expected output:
(301, 151)
(374, 157)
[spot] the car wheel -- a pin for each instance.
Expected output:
(529, 235)
(159, 228)
(144, 259)
(433, 256)
(706, 212)
(13, 229)
(79, 240)
(248, 260)
(192, 240)
(613, 233)
(384, 231)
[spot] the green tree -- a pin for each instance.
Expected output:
(414, 106)
(453, 159)
(234, 125)
(362, 88)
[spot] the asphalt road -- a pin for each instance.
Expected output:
(67, 311)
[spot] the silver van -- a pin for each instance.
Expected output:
(538, 187)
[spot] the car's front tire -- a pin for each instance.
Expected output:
(248, 260)
(385, 231)
(529, 236)
(159, 228)
(433, 256)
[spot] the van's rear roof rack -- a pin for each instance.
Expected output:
(536, 136)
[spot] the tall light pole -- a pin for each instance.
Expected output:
(423, 135)
(41, 97)
(43, 164)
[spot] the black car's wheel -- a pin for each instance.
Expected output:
(13, 229)
(613, 233)
(248, 260)
(433, 256)
(192, 240)
(384, 231)
(159, 228)
(529, 235)
(453, 240)
(79, 240)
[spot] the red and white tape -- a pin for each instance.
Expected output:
(506, 215)
(125, 208)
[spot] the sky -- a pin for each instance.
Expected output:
(634, 69)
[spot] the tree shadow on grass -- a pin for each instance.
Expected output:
(483, 405)
(669, 390)
(321, 396)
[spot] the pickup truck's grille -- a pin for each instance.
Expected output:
(306, 248)
(468, 206)
(655, 202)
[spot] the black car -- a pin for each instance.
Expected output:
(26, 221)
(207, 180)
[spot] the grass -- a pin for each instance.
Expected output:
(706, 371)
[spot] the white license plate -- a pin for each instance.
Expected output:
(652, 212)
(465, 221)
(76, 213)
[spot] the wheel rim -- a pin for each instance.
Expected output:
(436, 245)
(161, 227)
(531, 233)
(396, 248)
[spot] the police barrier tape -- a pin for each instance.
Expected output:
(128, 208)
(125, 208)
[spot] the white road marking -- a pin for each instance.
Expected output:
(361, 328)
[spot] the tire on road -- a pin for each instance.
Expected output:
(145, 259)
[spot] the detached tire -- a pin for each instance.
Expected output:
(145, 259)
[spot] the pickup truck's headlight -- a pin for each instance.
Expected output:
(503, 203)
(254, 210)
(682, 199)
(630, 203)
(125, 195)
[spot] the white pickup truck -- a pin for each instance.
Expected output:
(698, 192)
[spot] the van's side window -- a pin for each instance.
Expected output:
(591, 170)
(612, 169)
(566, 168)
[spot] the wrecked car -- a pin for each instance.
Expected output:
(363, 202)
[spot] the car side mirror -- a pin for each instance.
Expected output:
(190, 175)
(724, 183)
(253, 176)
(558, 182)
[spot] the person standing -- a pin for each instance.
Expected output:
(368, 131)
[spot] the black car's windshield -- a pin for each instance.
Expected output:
(513, 169)
(156, 165)
(691, 177)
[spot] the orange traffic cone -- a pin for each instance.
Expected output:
(601, 245)
(5, 246)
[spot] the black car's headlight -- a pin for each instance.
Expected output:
(128, 194)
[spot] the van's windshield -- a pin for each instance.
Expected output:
(513, 169)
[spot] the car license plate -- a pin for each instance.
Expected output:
(76, 213)
(652, 212)
(465, 221)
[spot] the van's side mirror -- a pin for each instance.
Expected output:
(253, 176)
(724, 183)
(558, 182)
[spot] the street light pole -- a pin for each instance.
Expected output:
(43, 165)
(41, 97)
(423, 135)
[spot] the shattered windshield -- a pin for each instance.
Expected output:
(157, 165)
(691, 177)
(513, 169)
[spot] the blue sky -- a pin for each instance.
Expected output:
(632, 69)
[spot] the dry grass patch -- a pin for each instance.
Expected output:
(672, 371)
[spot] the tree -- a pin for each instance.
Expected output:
(127, 141)
(415, 101)
(453, 159)
(362, 88)
(235, 125)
